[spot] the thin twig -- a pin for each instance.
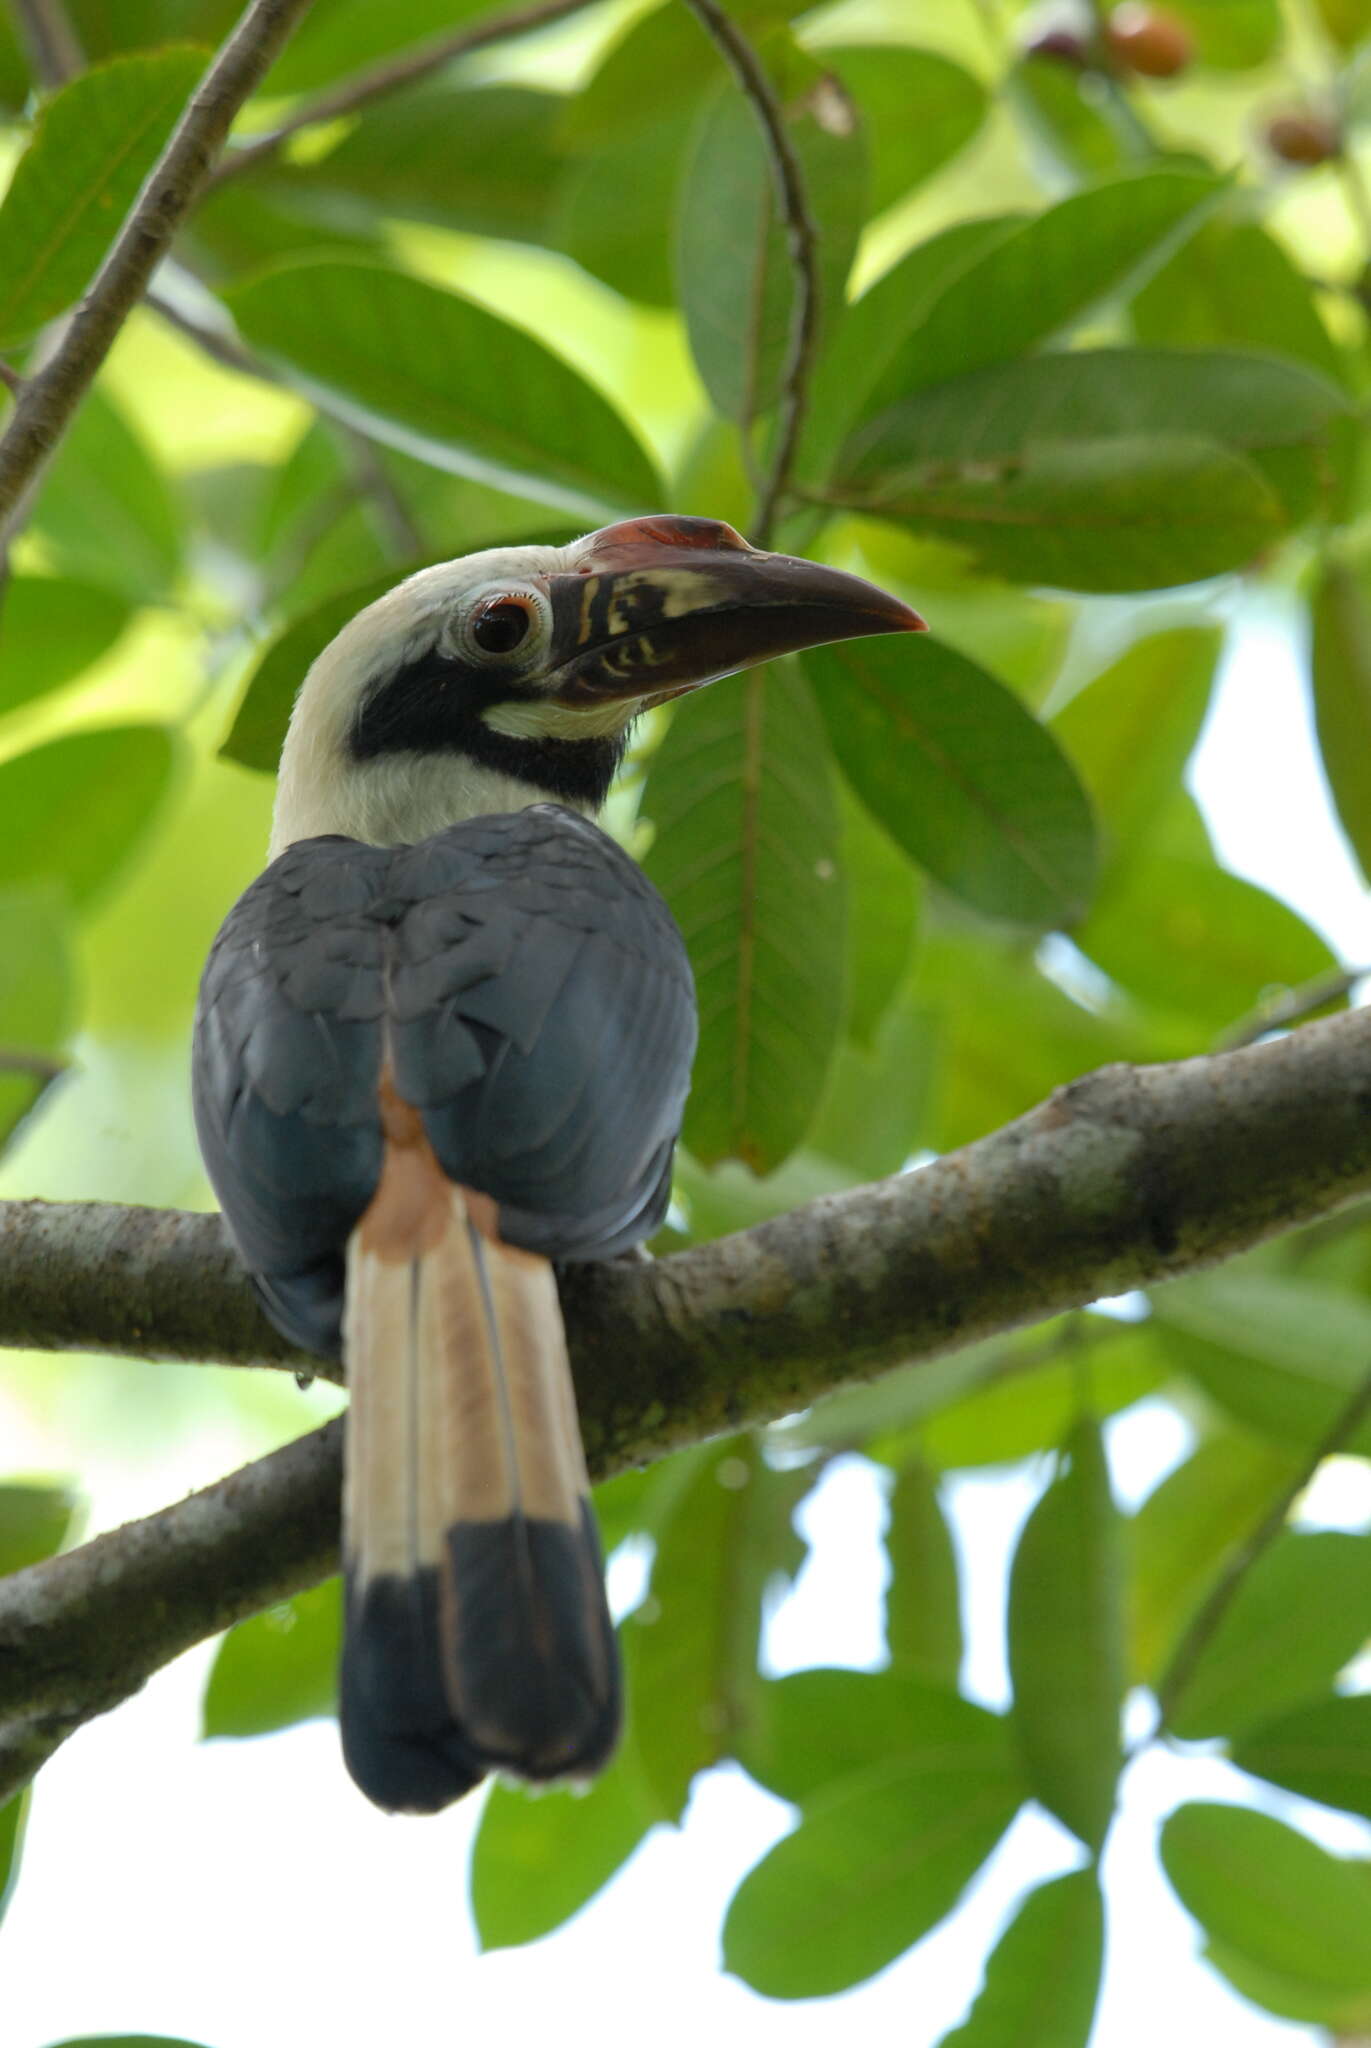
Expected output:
(394, 75)
(10, 377)
(220, 347)
(803, 238)
(50, 42)
(52, 396)
(1207, 1621)
(1292, 1007)
(393, 521)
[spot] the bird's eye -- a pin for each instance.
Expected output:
(500, 626)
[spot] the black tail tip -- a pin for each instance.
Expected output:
(525, 1681)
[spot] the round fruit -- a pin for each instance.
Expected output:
(1301, 136)
(1148, 40)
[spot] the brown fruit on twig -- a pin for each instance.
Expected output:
(1300, 135)
(1148, 40)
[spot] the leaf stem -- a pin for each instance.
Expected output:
(50, 399)
(802, 237)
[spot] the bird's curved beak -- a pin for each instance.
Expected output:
(658, 606)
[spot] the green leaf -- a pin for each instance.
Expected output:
(1346, 2017)
(442, 379)
(875, 1100)
(1271, 1897)
(1066, 1641)
(1298, 1616)
(1106, 515)
(923, 1621)
(660, 68)
(259, 727)
(918, 109)
(34, 1521)
(77, 809)
(105, 511)
(348, 34)
(747, 853)
(52, 628)
(1348, 22)
(13, 1818)
(1282, 1354)
(819, 1727)
(609, 209)
(1188, 936)
(1232, 35)
(127, 2041)
(1042, 276)
(36, 1006)
(724, 1536)
(863, 339)
(959, 774)
(1340, 670)
(1232, 285)
(1016, 1412)
(538, 1860)
(1322, 1752)
(1131, 731)
(482, 159)
(1042, 1981)
(1063, 113)
(877, 1860)
(735, 274)
(94, 143)
(1186, 1532)
(883, 918)
(278, 1668)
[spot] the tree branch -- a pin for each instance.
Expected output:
(803, 238)
(50, 43)
(49, 399)
(1126, 1177)
(394, 75)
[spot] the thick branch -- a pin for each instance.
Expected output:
(393, 75)
(803, 242)
(1121, 1179)
(49, 399)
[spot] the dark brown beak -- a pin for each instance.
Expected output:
(659, 606)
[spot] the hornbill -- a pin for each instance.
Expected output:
(444, 1040)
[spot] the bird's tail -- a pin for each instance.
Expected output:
(477, 1636)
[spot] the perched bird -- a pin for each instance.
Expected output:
(444, 1040)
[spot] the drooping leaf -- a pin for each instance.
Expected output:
(34, 1520)
(1232, 285)
(1066, 1641)
(1131, 731)
(1188, 1529)
(76, 810)
(959, 774)
(877, 1860)
(1340, 669)
(52, 628)
(883, 916)
(1270, 1896)
(875, 1099)
(611, 203)
(724, 1536)
(94, 143)
(816, 1728)
(1232, 35)
(918, 109)
(1281, 1353)
(105, 512)
(1299, 1615)
(735, 273)
(1042, 1979)
(1188, 936)
(1042, 276)
(923, 1621)
(747, 854)
(35, 1010)
(537, 1861)
(440, 378)
(1321, 1751)
(278, 1668)
(264, 710)
(483, 159)
(348, 34)
(1014, 1414)
(659, 69)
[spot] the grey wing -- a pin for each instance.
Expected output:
(565, 968)
(285, 1064)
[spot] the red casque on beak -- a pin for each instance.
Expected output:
(661, 605)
